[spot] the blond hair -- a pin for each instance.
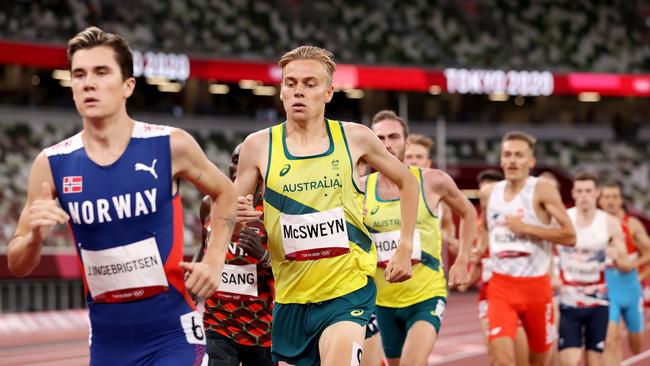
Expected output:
(321, 55)
(421, 140)
(521, 136)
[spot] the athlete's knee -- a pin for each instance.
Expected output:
(501, 355)
(540, 358)
(611, 341)
(412, 360)
(635, 341)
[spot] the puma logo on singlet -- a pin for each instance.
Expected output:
(151, 169)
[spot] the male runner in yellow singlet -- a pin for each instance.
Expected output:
(418, 153)
(322, 255)
(410, 313)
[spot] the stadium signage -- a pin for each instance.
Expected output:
(416, 79)
(477, 81)
(170, 66)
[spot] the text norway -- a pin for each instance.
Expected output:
(100, 209)
(314, 230)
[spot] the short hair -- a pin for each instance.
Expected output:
(325, 57)
(521, 136)
(586, 176)
(92, 37)
(492, 175)
(421, 140)
(612, 183)
(388, 114)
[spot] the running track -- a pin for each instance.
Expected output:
(61, 338)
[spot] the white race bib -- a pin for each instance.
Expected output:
(503, 241)
(315, 235)
(386, 245)
(238, 281)
(192, 324)
(125, 273)
(581, 266)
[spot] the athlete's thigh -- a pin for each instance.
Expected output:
(340, 344)
(502, 319)
(570, 329)
(594, 358)
(221, 351)
(255, 356)
(596, 329)
(373, 352)
(521, 347)
(633, 315)
(393, 331)
(502, 351)
(537, 320)
(420, 339)
(570, 356)
(614, 313)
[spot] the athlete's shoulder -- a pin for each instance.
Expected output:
(635, 224)
(180, 140)
(546, 191)
(355, 130)
(486, 190)
(434, 175)
(613, 222)
(258, 136)
(146, 130)
(64, 147)
(544, 185)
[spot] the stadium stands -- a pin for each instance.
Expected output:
(602, 36)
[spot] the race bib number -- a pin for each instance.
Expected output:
(386, 245)
(581, 266)
(315, 235)
(504, 243)
(192, 324)
(126, 273)
(357, 352)
(238, 281)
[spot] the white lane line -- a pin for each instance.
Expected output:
(636, 358)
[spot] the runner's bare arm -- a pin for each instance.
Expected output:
(190, 163)
(474, 276)
(369, 148)
(642, 243)
(483, 239)
(617, 243)
(40, 213)
(448, 229)
(549, 197)
(253, 152)
(362, 187)
(439, 182)
(481, 245)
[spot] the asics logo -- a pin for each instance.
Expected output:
(151, 169)
(356, 312)
(285, 170)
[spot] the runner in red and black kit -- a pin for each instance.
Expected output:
(237, 318)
